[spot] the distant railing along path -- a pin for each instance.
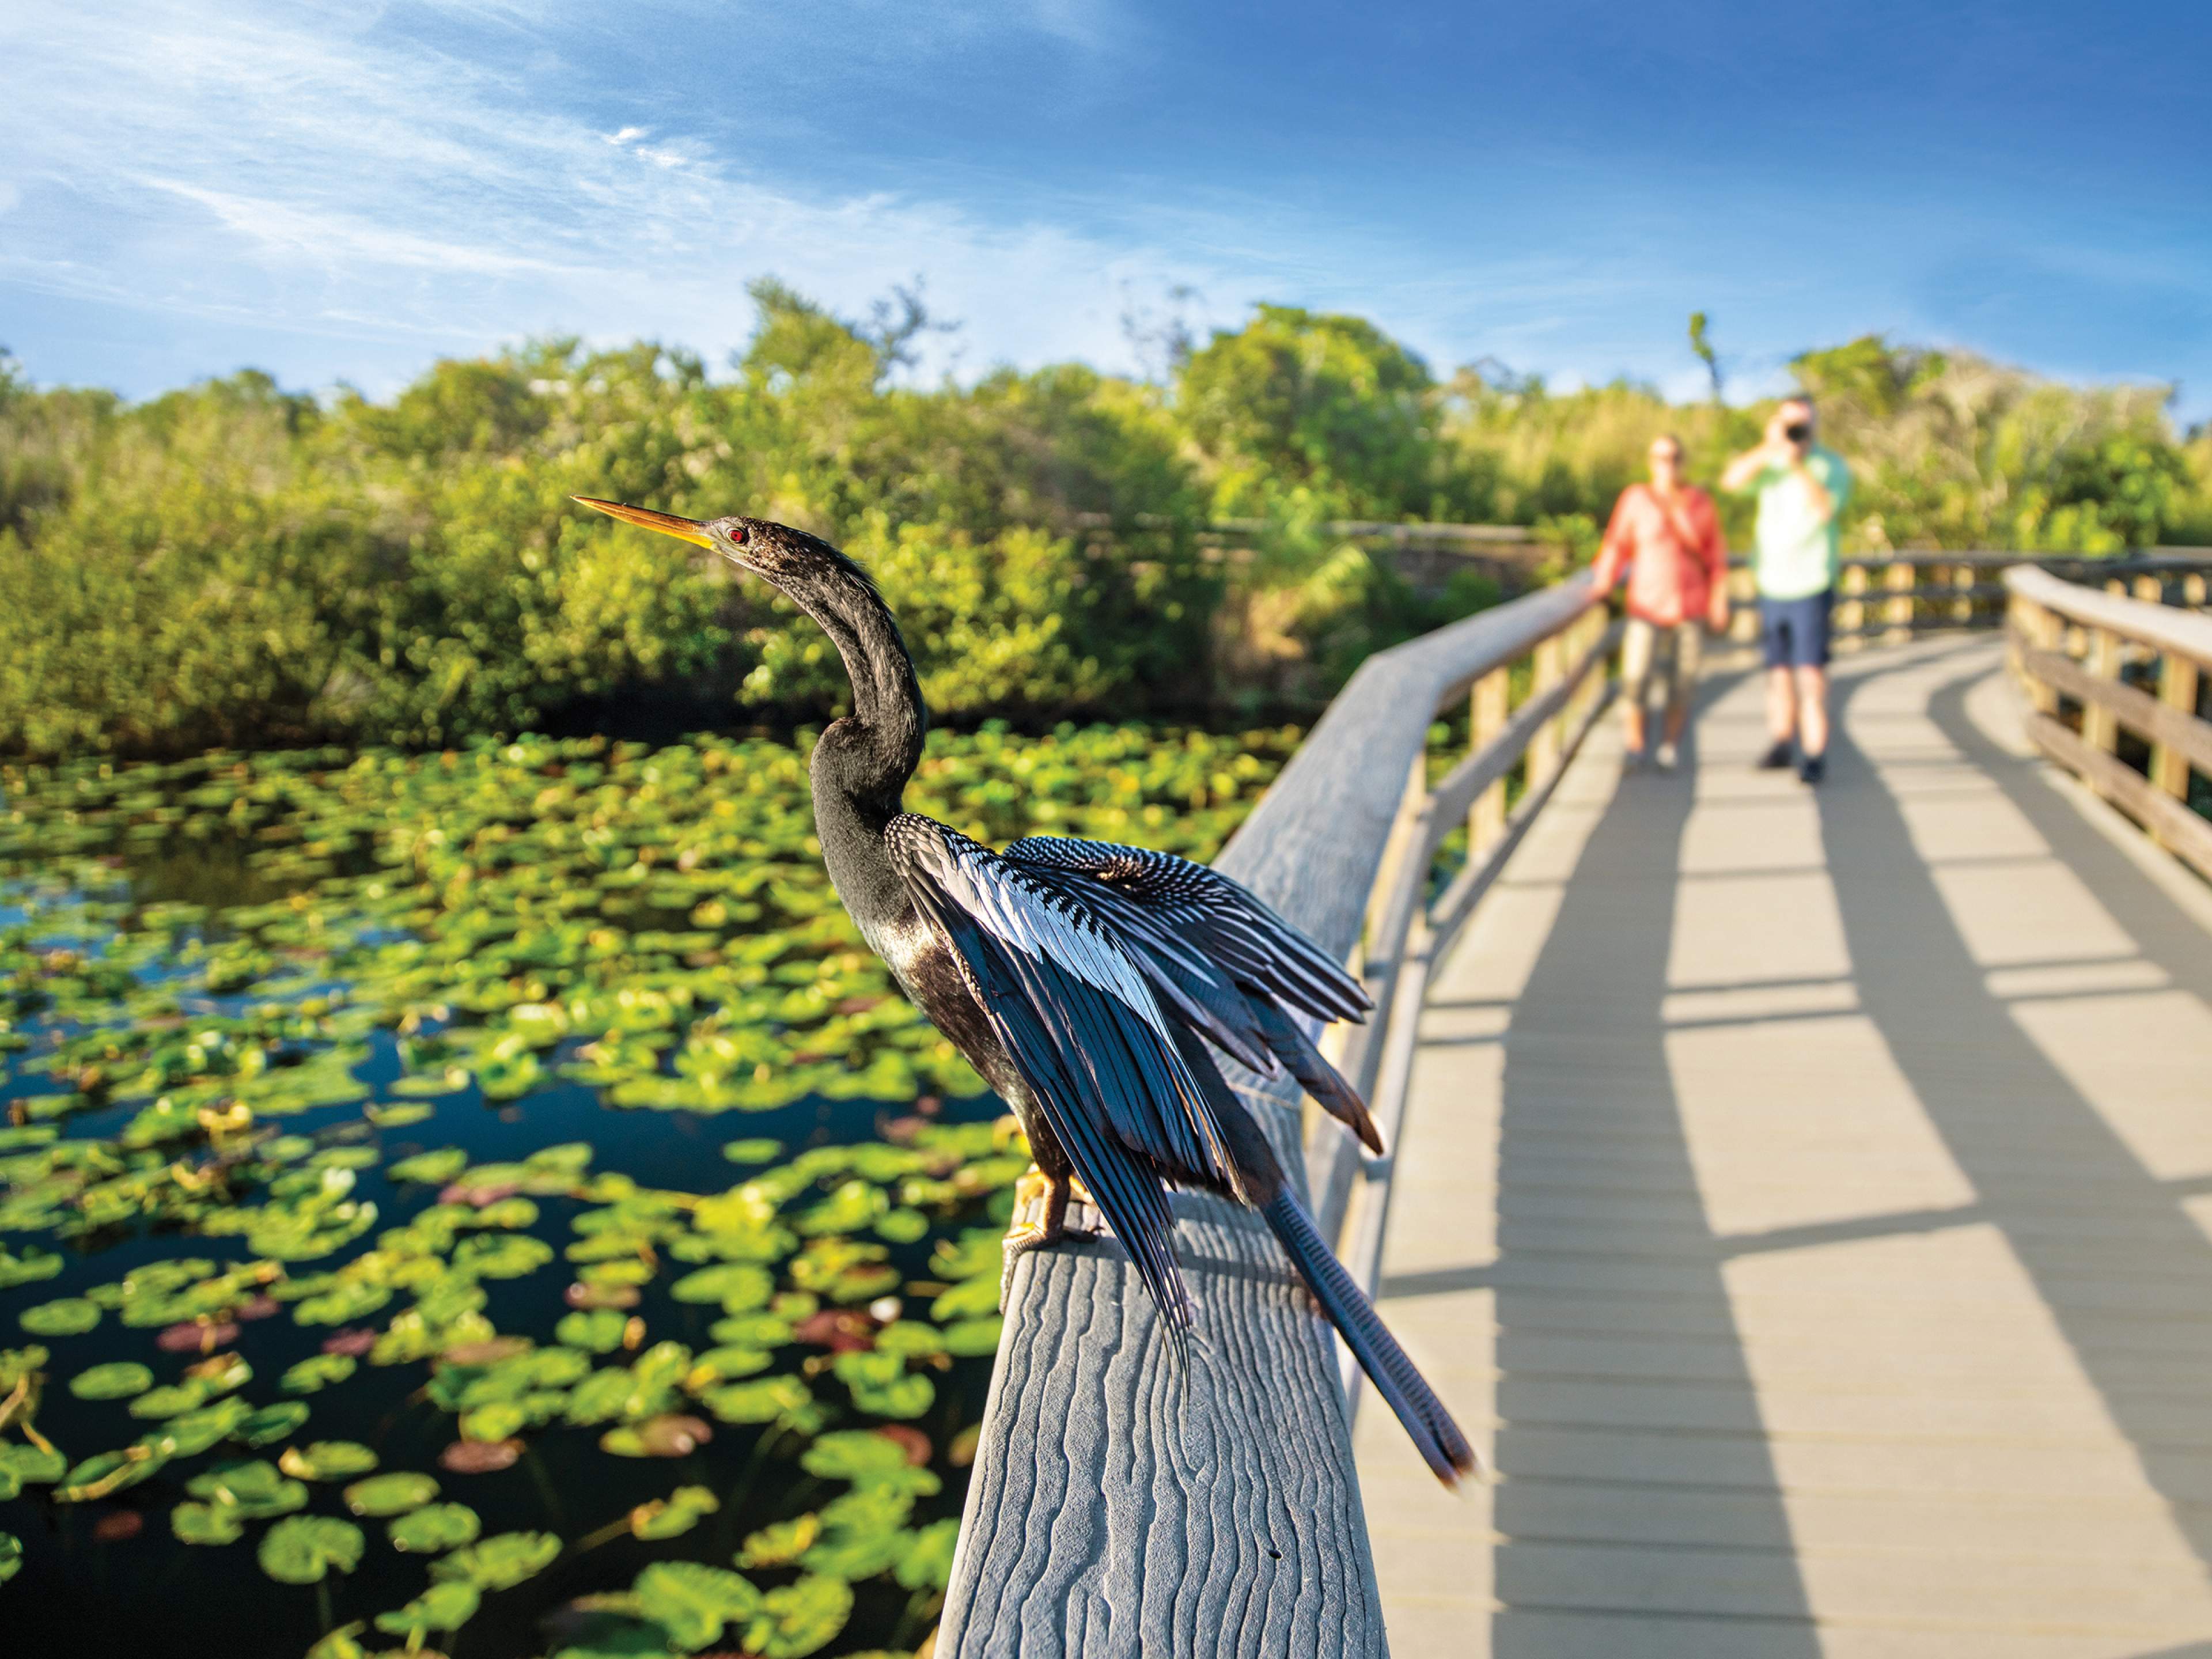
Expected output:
(2072, 645)
(1116, 1510)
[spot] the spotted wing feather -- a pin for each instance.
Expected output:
(1225, 963)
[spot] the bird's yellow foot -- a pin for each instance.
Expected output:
(1042, 1207)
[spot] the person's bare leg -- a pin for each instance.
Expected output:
(1781, 706)
(1812, 690)
(1631, 724)
(1678, 717)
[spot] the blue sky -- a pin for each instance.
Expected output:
(344, 191)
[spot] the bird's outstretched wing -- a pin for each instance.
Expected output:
(1081, 1023)
(1222, 962)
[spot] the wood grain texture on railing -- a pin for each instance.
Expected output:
(1116, 1509)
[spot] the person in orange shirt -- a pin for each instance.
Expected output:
(1666, 536)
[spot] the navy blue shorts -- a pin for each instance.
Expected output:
(1796, 631)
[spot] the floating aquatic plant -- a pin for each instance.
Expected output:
(309, 1097)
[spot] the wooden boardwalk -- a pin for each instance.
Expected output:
(1807, 1200)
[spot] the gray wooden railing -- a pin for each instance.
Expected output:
(1885, 599)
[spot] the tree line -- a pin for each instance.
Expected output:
(234, 564)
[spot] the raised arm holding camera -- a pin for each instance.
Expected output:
(1802, 486)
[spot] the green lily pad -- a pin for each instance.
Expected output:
(400, 1114)
(903, 1397)
(739, 1286)
(28, 1268)
(118, 1380)
(328, 1460)
(33, 1465)
(317, 1371)
(509, 1255)
(781, 1544)
(753, 1330)
(301, 1549)
(207, 1523)
(596, 1330)
(692, 1601)
(727, 1364)
(430, 1086)
(674, 1515)
(926, 1564)
(500, 1561)
(968, 1337)
(910, 1337)
(109, 1473)
(854, 1455)
(391, 1494)
(11, 1556)
(340, 1644)
(972, 1298)
(255, 1489)
(756, 1149)
(433, 1169)
(272, 1422)
(797, 1619)
(902, 1226)
(500, 1421)
(16, 1364)
(196, 1431)
(433, 1528)
(763, 1399)
(72, 1315)
(443, 1606)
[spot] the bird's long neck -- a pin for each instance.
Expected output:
(862, 763)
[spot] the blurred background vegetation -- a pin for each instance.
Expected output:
(238, 565)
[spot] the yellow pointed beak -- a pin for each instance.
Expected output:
(685, 530)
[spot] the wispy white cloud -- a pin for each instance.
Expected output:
(428, 175)
(331, 169)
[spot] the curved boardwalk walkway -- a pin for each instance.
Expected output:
(1811, 1193)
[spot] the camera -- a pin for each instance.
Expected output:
(1798, 432)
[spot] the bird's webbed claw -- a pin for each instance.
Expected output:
(1041, 1204)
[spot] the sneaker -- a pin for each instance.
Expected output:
(1775, 759)
(1666, 757)
(1811, 768)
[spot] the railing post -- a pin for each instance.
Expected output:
(1850, 615)
(1899, 579)
(1962, 608)
(2099, 729)
(1544, 747)
(2031, 627)
(1486, 822)
(2192, 590)
(1743, 602)
(1588, 631)
(2176, 689)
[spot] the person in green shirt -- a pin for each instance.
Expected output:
(1802, 486)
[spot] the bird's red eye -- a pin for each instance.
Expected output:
(737, 534)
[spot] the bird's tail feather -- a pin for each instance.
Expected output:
(1388, 1365)
(1317, 1076)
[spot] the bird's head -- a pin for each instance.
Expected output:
(775, 551)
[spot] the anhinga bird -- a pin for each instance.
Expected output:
(1079, 978)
